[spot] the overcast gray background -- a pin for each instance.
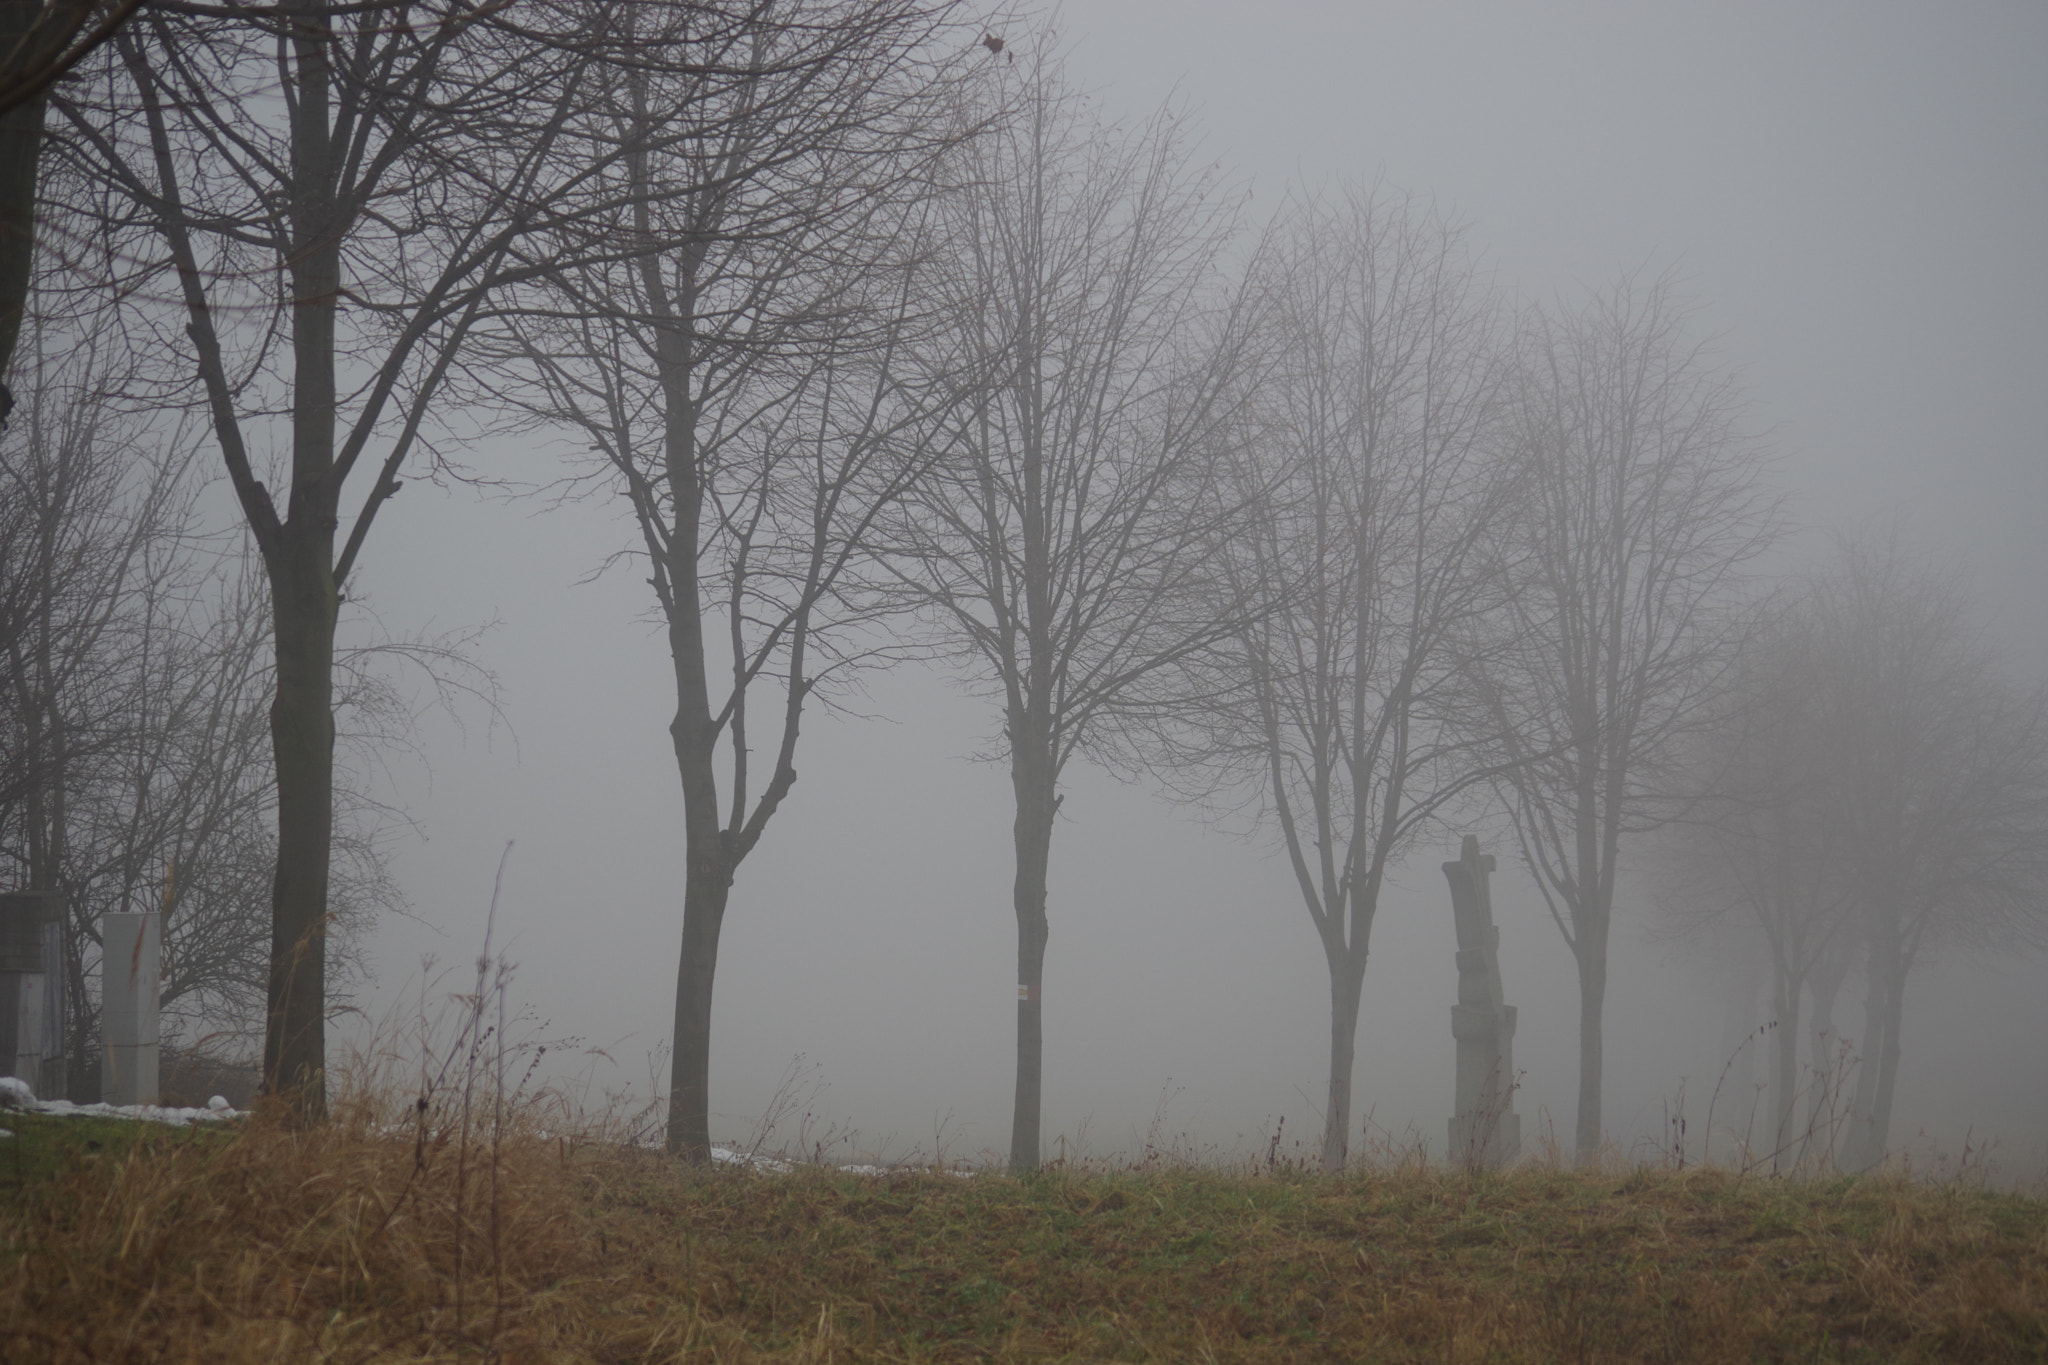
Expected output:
(1857, 194)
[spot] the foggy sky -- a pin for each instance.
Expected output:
(1856, 194)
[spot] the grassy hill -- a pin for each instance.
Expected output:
(390, 1238)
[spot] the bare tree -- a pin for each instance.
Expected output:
(1941, 785)
(178, 814)
(45, 39)
(1341, 705)
(87, 511)
(1057, 549)
(1641, 507)
(179, 817)
(1762, 846)
(749, 368)
(1874, 792)
(94, 528)
(335, 190)
(136, 681)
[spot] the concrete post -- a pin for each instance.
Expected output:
(32, 990)
(129, 967)
(1485, 1130)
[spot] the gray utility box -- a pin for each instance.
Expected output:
(32, 989)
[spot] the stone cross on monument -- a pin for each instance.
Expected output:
(1485, 1130)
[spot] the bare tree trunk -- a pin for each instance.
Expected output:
(304, 604)
(303, 609)
(1590, 949)
(1034, 780)
(1880, 1124)
(708, 869)
(1347, 980)
(1784, 1063)
(21, 146)
(39, 39)
(1825, 981)
(34, 36)
(1865, 1146)
(689, 1124)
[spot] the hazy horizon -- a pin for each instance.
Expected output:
(1854, 196)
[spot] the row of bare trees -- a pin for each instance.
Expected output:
(690, 232)
(1873, 793)
(892, 344)
(1482, 567)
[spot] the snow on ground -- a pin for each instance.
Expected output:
(16, 1095)
(725, 1156)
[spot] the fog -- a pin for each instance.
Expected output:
(1854, 196)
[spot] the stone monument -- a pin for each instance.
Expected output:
(131, 947)
(1485, 1130)
(32, 990)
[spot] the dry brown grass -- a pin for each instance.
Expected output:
(340, 1243)
(380, 1239)
(447, 1214)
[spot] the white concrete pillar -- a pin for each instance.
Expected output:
(129, 983)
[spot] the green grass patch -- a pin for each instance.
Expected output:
(45, 1144)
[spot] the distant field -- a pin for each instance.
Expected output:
(344, 1245)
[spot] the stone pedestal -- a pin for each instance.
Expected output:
(32, 990)
(129, 963)
(1485, 1130)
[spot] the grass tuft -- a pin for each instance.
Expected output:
(350, 1241)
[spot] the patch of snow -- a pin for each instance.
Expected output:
(6, 1132)
(726, 1156)
(144, 1113)
(219, 1103)
(15, 1093)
